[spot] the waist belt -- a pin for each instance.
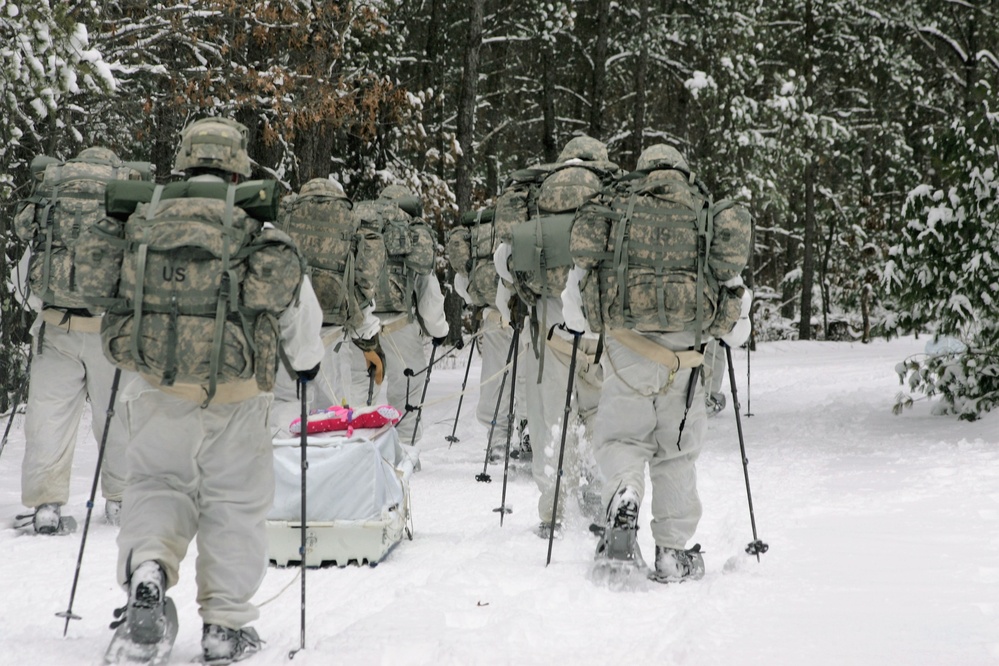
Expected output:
(583, 360)
(69, 322)
(225, 394)
(640, 344)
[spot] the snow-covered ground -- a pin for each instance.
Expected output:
(883, 534)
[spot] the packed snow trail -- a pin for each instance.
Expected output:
(883, 534)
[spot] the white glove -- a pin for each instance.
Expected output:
(500, 258)
(503, 295)
(572, 302)
(740, 332)
(461, 286)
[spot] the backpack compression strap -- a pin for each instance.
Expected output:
(228, 297)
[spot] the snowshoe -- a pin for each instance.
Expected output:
(146, 627)
(618, 562)
(544, 530)
(714, 403)
(125, 649)
(221, 645)
(46, 519)
(674, 565)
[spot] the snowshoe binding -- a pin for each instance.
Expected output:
(146, 627)
(221, 645)
(618, 558)
(674, 565)
(523, 453)
(714, 403)
(47, 519)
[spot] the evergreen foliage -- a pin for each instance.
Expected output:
(820, 115)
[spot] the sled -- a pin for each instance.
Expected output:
(357, 502)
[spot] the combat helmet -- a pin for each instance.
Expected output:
(98, 154)
(584, 148)
(661, 156)
(214, 143)
(395, 192)
(322, 187)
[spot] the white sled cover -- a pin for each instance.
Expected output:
(356, 501)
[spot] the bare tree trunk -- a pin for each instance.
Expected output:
(432, 76)
(466, 107)
(641, 73)
(453, 304)
(549, 141)
(808, 256)
(599, 82)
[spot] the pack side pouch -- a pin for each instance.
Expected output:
(731, 244)
(266, 338)
(25, 225)
(398, 242)
(588, 239)
(423, 248)
(729, 309)
(482, 283)
(459, 250)
(369, 265)
(274, 272)
(98, 257)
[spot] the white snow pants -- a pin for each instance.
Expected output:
(69, 369)
(642, 407)
(715, 368)
(403, 349)
(494, 345)
(205, 473)
(545, 407)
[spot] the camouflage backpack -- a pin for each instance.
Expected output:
(345, 262)
(410, 246)
(67, 201)
(470, 248)
(201, 288)
(657, 248)
(539, 248)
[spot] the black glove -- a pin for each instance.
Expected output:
(306, 376)
(439, 341)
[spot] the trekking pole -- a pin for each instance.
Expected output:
(511, 353)
(302, 442)
(423, 396)
(451, 439)
(756, 547)
(503, 509)
(17, 400)
(749, 350)
(561, 449)
(68, 613)
(371, 385)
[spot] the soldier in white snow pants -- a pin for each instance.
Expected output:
(403, 349)
(545, 407)
(494, 345)
(402, 344)
(647, 405)
(68, 369)
(208, 472)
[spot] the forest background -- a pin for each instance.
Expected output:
(862, 134)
